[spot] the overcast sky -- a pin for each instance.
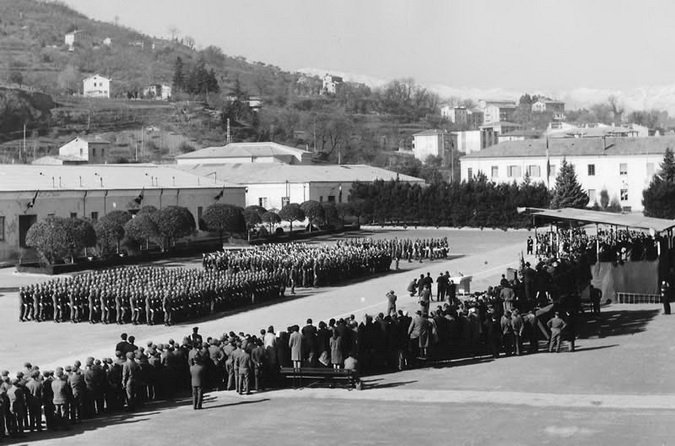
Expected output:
(524, 45)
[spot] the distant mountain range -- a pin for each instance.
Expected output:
(642, 98)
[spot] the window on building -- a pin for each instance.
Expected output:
(321, 199)
(81, 152)
(200, 211)
(624, 194)
(51, 215)
(73, 215)
(650, 170)
(551, 172)
(495, 171)
(2, 228)
(469, 173)
(94, 216)
(591, 170)
(534, 171)
(331, 198)
(623, 169)
(513, 171)
(591, 196)
(262, 201)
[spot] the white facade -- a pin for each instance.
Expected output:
(495, 111)
(467, 141)
(456, 115)
(157, 91)
(92, 151)
(96, 86)
(429, 143)
(69, 40)
(623, 176)
(331, 84)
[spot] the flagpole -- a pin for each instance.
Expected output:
(548, 166)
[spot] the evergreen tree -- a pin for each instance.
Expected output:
(178, 75)
(568, 192)
(658, 199)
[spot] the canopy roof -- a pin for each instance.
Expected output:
(604, 218)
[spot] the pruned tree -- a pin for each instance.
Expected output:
(110, 231)
(50, 238)
(314, 212)
(81, 234)
(224, 218)
(272, 219)
(292, 212)
(174, 222)
(142, 229)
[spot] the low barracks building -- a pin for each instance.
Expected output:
(29, 193)
(622, 166)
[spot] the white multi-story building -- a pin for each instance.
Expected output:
(455, 114)
(496, 111)
(96, 86)
(622, 166)
(331, 84)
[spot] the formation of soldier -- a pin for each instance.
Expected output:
(305, 265)
(150, 295)
(406, 249)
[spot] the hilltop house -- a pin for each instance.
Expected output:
(96, 86)
(331, 84)
(496, 111)
(543, 105)
(157, 91)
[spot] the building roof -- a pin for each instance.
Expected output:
(501, 104)
(262, 173)
(245, 149)
(620, 146)
(605, 218)
(58, 160)
(431, 132)
(591, 132)
(97, 75)
(500, 124)
(15, 177)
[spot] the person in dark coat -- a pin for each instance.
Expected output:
(197, 381)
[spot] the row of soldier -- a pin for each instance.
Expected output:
(148, 295)
(304, 265)
(406, 249)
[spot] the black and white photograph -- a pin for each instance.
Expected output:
(357, 222)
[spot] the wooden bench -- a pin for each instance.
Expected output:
(320, 374)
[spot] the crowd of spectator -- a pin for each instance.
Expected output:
(616, 246)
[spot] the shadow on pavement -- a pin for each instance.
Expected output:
(600, 347)
(369, 384)
(237, 403)
(109, 419)
(616, 323)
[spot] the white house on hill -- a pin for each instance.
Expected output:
(96, 86)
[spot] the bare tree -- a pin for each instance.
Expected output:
(174, 31)
(617, 109)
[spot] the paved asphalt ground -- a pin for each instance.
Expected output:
(618, 388)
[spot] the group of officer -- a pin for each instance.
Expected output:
(405, 248)
(148, 295)
(305, 265)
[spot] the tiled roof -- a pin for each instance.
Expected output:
(15, 177)
(244, 149)
(578, 147)
(260, 173)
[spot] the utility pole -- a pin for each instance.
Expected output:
(23, 150)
